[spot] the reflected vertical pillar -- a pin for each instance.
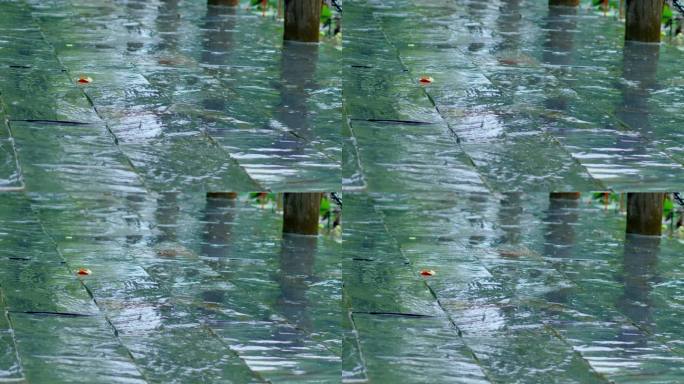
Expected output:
(640, 261)
(302, 20)
(645, 213)
(560, 30)
(297, 259)
(301, 213)
(560, 220)
(217, 38)
(297, 84)
(219, 214)
(510, 212)
(166, 216)
(298, 78)
(508, 23)
(643, 20)
(639, 67)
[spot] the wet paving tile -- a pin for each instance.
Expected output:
(536, 290)
(157, 83)
(116, 118)
(507, 78)
(170, 296)
(10, 175)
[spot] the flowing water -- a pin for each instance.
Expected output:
(182, 289)
(109, 173)
(526, 290)
(177, 88)
(523, 98)
(178, 98)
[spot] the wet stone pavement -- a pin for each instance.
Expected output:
(171, 99)
(525, 291)
(523, 98)
(182, 98)
(182, 290)
(111, 175)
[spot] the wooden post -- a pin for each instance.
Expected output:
(643, 20)
(300, 213)
(231, 3)
(302, 20)
(645, 213)
(564, 195)
(566, 3)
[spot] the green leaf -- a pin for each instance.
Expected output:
(325, 205)
(668, 206)
(667, 15)
(326, 14)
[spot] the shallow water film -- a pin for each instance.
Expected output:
(134, 288)
(516, 95)
(513, 288)
(173, 175)
(125, 94)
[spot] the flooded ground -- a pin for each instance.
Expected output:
(525, 290)
(118, 117)
(182, 290)
(523, 98)
(175, 89)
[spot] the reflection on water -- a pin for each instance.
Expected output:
(639, 274)
(559, 32)
(558, 47)
(561, 218)
(529, 284)
(639, 70)
(508, 24)
(539, 98)
(166, 216)
(297, 82)
(297, 258)
(509, 216)
(217, 46)
(219, 219)
(167, 23)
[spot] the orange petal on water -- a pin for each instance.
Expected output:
(84, 79)
(426, 79)
(427, 272)
(84, 271)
